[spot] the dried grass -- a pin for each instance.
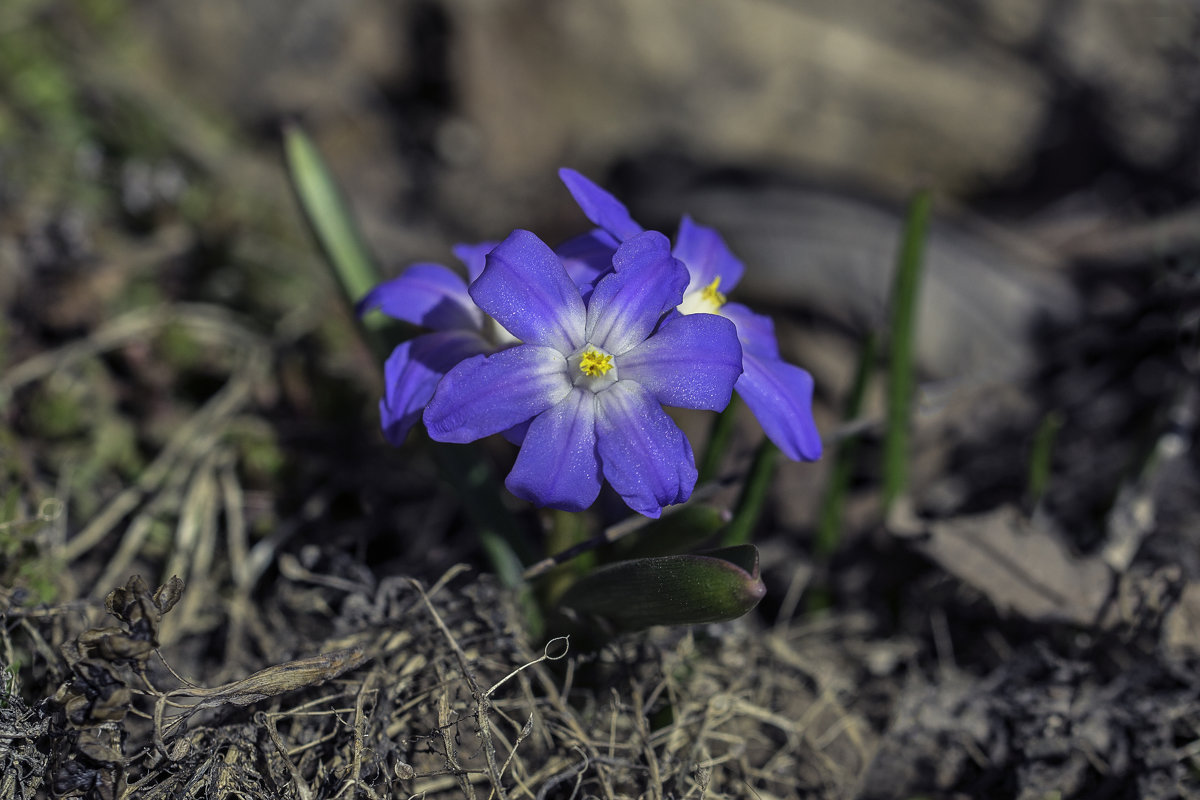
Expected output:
(435, 693)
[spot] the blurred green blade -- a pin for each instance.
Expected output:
(670, 590)
(329, 215)
(1041, 458)
(905, 291)
(833, 504)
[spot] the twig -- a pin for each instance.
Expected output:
(639, 719)
(444, 726)
(481, 698)
(355, 779)
(576, 771)
(302, 787)
(565, 642)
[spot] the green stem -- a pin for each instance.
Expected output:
(719, 435)
(567, 530)
(754, 495)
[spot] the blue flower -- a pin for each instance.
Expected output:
(432, 296)
(590, 377)
(779, 394)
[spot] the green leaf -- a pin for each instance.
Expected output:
(905, 291)
(670, 590)
(329, 216)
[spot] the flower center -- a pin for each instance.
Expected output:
(706, 301)
(595, 363)
(593, 368)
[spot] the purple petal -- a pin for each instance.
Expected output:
(516, 434)
(756, 332)
(425, 294)
(692, 361)
(780, 395)
(645, 456)
(706, 256)
(587, 258)
(558, 466)
(627, 303)
(412, 372)
(527, 290)
(486, 395)
(473, 257)
(599, 206)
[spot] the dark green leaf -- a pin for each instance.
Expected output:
(670, 590)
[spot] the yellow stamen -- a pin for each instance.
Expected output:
(711, 295)
(595, 363)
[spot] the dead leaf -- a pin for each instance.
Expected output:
(1021, 566)
(276, 680)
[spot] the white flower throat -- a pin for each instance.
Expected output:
(705, 301)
